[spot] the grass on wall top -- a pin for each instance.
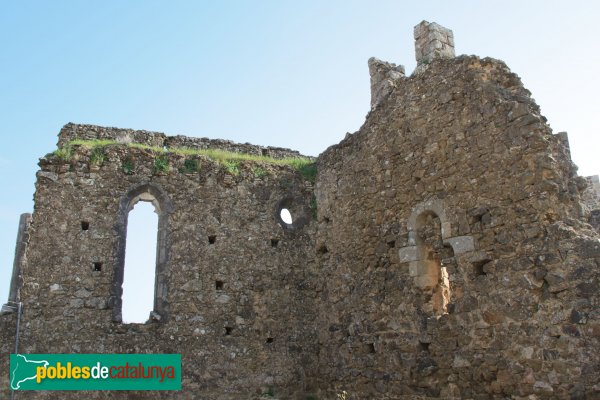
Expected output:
(304, 165)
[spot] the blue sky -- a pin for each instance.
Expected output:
(282, 73)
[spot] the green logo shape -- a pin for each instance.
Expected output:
(95, 371)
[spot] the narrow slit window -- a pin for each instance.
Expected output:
(140, 263)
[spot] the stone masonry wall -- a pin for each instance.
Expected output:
(72, 132)
(591, 200)
(432, 41)
(461, 142)
(444, 251)
(247, 335)
(8, 324)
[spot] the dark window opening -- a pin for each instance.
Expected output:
(212, 239)
(322, 249)
(85, 225)
(391, 244)
(424, 347)
(269, 340)
(219, 285)
(274, 242)
(98, 266)
(370, 348)
(228, 330)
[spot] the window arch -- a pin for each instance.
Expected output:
(432, 256)
(429, 254)
(433, 276)
(139, 272)
(163, 207)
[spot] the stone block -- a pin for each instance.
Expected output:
(461, 244)
(413, 268)
(409, 253)
(446, 229)
(432, 41)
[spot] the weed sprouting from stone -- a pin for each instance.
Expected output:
(128, 167)
(97, 157)
(190, 165)
(161, 164)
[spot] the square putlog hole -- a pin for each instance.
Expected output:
(274, 242)
(85, 225)
(322, 249)
(219, 285)
(479, 267)
(228, 330)
(97, 266)
(212, 239)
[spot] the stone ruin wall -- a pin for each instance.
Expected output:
(591, 200)
(71, 132)
(265, 267)
(463, 143)
(450, 255)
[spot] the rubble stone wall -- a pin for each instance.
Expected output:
(71, 132)
(444, 251)
(237, 284)
(464, 143)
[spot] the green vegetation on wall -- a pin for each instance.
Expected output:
(161, 164)
(230, 160)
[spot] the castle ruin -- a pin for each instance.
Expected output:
(446, 250)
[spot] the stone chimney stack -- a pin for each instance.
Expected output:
(432, 41)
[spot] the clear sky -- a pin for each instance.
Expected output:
(282, 73)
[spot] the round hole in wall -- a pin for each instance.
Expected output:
(292, 212)
(286, 216)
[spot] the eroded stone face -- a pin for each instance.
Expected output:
(463, 143)
(384, 77)
(443, 251)
(235, 288)
(591, 200)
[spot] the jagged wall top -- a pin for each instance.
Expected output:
(72, 132)
(431, 41)
(461, 150)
